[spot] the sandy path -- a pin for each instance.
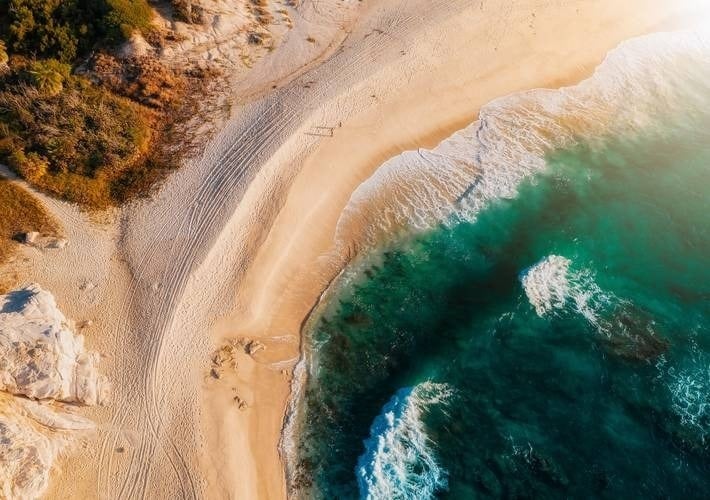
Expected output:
(241, 241)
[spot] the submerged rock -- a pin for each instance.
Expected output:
(40, 356)
(634, 336)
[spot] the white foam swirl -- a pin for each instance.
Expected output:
(546, 284)
(688, 383)
(552, 286)
(399, 462)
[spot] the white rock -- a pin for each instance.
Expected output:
(57, 243)
(136, 46)
(31, 436)
(31, 237)
(40, 356)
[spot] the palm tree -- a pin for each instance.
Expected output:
(46, 79)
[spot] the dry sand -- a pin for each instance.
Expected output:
(240, 243)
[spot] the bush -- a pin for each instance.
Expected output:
(127, 16)
(77, 144)
(47, 28)
(31, 167)
(3, 54)
(48, 76)
(187, 11)
(66, 29)
(143, 79)
(66, 136)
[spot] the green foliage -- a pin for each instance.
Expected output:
(50, 28)
(65, 29)
(79, 144)
(70, 138)
(126, 16)
(48, 76)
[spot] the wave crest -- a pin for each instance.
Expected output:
(551, 285)
(399, 462)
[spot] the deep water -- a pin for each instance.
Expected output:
(557, 346)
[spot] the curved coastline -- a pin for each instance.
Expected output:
(241, 241)
(484, 162)
(463, 199)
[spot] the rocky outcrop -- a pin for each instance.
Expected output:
(43, 368)
(40, 356)
(41, 241)
(32, 434)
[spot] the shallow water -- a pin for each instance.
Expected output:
(554, 342)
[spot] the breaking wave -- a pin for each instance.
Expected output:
(546, 284)
(637, 82)
(399, 462)
(551, 286)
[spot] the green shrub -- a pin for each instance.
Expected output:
(48, 76)
(66, 29)
(47, 28)
(66, 136)
(77, 144)
(127, 16)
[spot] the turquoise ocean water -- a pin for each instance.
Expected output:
(553, 342)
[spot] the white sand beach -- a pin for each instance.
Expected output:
(240, 242)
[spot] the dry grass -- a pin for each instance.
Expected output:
(260, 11)
(87, 145)
(21, 213)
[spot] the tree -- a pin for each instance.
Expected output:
(48, 76)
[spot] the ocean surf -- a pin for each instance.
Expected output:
(546, 270)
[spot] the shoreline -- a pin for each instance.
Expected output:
(240, 243)
(291, 423)
(324, 270)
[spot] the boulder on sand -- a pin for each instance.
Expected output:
(40, 356)
(41, 361)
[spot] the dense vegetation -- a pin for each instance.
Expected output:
(86, 141)
(65, 29)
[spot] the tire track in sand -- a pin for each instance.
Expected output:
(265, 127)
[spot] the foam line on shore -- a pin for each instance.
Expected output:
(509, 142)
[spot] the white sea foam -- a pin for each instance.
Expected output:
(399, 462)
(691, 400)
(553, 286)
(689, 388)
(546, 284)
(638, 82)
